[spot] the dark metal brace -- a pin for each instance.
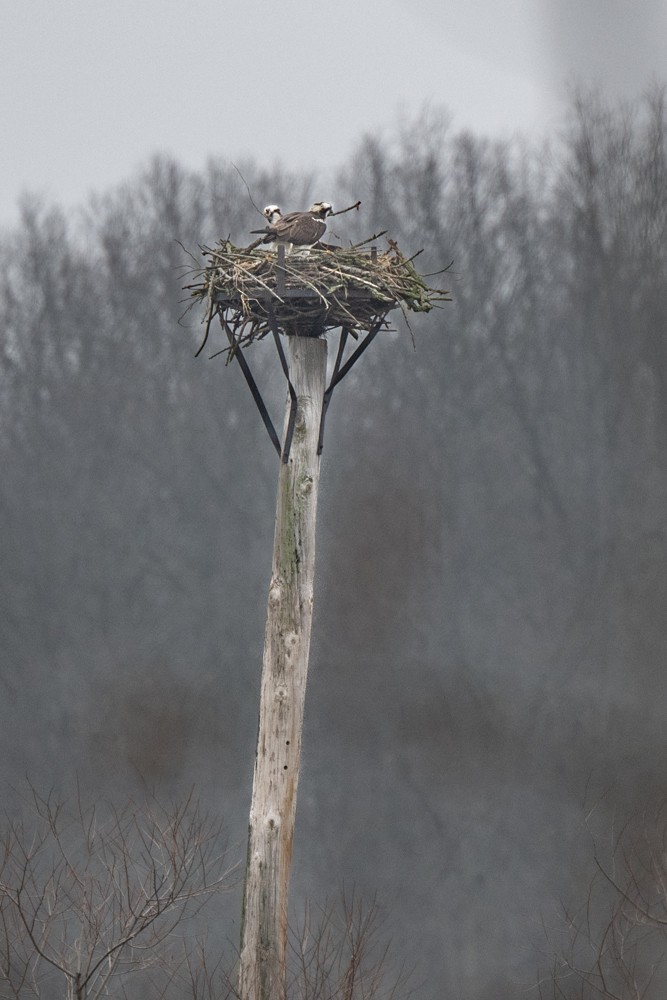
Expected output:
(252, 385)
(339, 373)
(330, 388)
(292, 392)
(256, 395)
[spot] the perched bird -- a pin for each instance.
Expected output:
(297, 229)
(272, 213)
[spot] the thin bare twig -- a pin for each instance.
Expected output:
(349, 208)
(252, 202)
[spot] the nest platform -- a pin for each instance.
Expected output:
(254, 291)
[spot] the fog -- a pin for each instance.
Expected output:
(487, 669)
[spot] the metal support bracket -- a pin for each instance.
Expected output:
(284, 452)
(252, 385)
(292, 393)
(339, 372)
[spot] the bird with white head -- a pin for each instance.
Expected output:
(296, 229)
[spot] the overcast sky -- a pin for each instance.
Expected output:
(90, 88)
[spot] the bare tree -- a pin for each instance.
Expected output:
(341, 953)
(338, 951)
(89, 896)
(617, 940)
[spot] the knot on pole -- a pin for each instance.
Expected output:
(305, 486)
(291, 641)
(272, 821)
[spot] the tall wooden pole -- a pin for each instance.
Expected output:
(283, 690)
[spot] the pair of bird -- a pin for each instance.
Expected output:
(296, 229)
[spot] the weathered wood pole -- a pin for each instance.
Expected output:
(262, 971)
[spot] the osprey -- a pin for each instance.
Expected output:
(296, 229)
(272, 213)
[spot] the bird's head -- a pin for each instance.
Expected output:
(272, 213)
(321, 208)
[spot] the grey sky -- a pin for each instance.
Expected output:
(90, 88)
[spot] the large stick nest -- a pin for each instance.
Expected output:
(329, 287)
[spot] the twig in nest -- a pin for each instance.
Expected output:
(443, 270)
(408, 260)
(393, 245)
(370, 239)
(356, 205)
(253, 246)
(189, 253)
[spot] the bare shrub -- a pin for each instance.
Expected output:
(340, 952)
(616, 942)
(91, 895)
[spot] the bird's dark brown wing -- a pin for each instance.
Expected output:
(302, 229)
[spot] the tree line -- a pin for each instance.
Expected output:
(490, 633)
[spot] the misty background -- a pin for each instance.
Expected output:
(91, 90)
(487, 664)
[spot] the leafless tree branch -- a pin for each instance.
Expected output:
(96, 892)
(617, 941)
